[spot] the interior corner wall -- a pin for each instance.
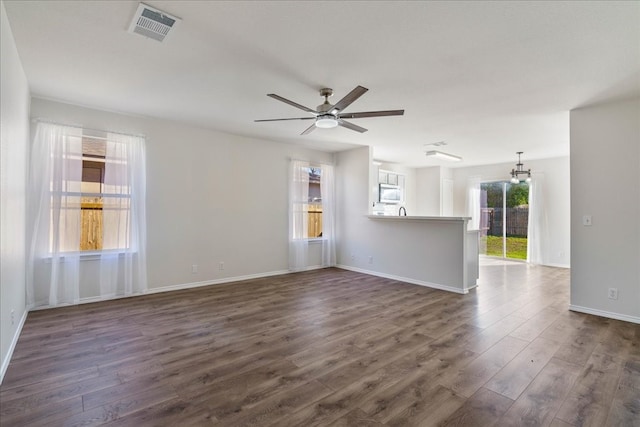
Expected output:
(428, 190)
(14, 143)
(605, 184)
(212, 198)
(557, 201)
(353, 198)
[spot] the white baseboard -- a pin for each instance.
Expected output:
(12, 347)
(178, 287)
(608, 314)
(217, 281)
(556, 265)
(405, 279)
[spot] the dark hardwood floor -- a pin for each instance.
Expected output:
(329, 347)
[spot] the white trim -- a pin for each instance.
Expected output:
(86, 300)
(554, 265)
(601, 313)
(90, 255)
(89, 300)
(407, 280)
(309, 268)
(12, 346)
(215, 282)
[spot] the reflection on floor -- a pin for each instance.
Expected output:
(489, 260)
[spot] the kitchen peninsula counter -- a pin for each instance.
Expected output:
(434, 251)
(423, 218)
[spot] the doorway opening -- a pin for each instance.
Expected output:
(504, 219)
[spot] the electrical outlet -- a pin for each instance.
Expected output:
(194, 268)
(613, 293)
(370, 260)
(353, 257)
(586, 220)
(221, 265)
(13, 317)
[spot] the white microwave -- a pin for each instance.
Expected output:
(389, 194)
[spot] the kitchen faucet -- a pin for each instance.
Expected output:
(402, 208)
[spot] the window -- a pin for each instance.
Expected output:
(311, 213)
(100, 203)
(504, 219)
(92, 188)
(308, 203)
(90, 197)
(86, 193)
(314, 206)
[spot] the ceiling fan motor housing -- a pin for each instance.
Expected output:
(326, 106)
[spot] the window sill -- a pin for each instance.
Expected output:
(311, 240)
(89, 255)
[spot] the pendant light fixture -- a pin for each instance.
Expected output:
(519, 170)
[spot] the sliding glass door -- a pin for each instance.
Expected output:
(504, 216)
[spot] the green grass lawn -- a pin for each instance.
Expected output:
(516, 246)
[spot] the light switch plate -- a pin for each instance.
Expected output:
(586, 220)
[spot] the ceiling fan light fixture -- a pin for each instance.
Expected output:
(329, 116)
(326, 121)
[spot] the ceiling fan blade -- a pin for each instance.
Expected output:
(279, 120)
(351, 126)
(372, 114)
(295, 104)
(309, 129)
(351, 96)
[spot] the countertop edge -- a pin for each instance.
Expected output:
(419, 218)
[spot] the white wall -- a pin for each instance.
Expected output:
(432, 192)
(14, 143)
(428, 191)
(557, 200)
(211, 197)
(605, 183)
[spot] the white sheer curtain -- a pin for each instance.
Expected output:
(298, 225)
(55, 216)
(123, 258)
(53, 265)
(473, 202)
(327, 189)
(537, 228)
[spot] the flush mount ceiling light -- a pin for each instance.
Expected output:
(519, 170)
(435, 144)
(444, 156)
(326, 121)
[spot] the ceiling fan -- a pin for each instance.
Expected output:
(329, 115)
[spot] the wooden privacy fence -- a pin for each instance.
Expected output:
(315, 220)
(517, 221)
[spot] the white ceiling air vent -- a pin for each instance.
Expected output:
(151, 22)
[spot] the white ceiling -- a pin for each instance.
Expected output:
(489, 78)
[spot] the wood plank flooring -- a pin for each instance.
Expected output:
(329, 347)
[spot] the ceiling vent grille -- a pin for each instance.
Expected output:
(151, 22)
